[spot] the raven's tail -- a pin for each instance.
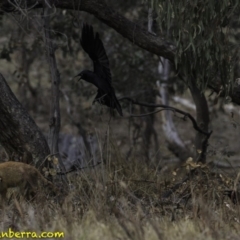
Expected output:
(109, 100)
(118, 106)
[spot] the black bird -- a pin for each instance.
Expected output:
(101, 75)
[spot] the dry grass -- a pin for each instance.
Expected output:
(124, 200)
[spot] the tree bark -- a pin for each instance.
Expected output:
(202, 112)
(149, 132)
(175, 143)
(55, 118)
(20, 136)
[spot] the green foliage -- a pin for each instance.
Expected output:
(200, 30)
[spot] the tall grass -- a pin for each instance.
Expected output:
(125, 200)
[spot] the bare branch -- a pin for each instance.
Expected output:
(75, 169)
(188, 115)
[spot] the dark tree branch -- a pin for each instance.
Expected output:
(188, 115)
(75, 168)
(135, 33)
(203, 144)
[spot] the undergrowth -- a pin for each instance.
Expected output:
(122, 199)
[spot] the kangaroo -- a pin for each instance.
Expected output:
(22, 175)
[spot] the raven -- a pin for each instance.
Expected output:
(101, 75)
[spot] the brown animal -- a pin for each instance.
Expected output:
(22, 175)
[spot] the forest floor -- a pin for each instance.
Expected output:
(129, 200)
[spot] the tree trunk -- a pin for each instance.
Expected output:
(149, 120)
(202, 121)
(175, 143)
(20, 136)
(149, 132)
(55, 117)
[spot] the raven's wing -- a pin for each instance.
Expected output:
(93, 45)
